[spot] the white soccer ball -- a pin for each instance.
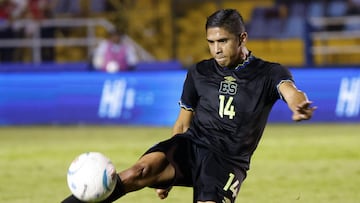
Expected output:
(90, 177)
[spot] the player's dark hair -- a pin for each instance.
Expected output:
(229, 19)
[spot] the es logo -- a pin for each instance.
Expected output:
(228, 86)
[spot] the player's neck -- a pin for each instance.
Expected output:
(244, 54)
(243, 59)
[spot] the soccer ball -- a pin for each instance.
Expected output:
(91, 177)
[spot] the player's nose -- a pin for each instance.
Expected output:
(217, 48)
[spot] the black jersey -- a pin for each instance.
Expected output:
(231, 105)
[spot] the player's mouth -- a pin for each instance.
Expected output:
(220, 60)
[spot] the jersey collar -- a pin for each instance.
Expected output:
(242, 65)
(248, 59)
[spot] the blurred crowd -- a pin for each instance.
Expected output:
(19, 19)
(10, 28)
(287, 17)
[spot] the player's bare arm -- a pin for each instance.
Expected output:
(183, 121)
(297, 101)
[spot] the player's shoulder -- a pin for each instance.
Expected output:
(265, 63)
(274, 71)
(269, 66)
(201, 68)
(204, 64)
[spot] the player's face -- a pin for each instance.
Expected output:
(224, 46)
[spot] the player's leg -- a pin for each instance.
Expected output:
(151, 169)
(156, 169)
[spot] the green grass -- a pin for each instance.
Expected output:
(293, 163)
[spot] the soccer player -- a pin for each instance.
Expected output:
(225, 105)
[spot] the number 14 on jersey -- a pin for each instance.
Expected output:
(226, 107)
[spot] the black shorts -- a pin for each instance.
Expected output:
(212, 177)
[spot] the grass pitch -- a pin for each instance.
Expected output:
(310, 163)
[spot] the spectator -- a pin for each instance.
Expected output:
(353, 7)
(37, 11)
(68, 8)
(6, 31)
(115, 54)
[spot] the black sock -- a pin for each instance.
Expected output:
(71, 199)
(116, 194)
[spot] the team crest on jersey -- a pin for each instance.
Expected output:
(229, 78)
(228, 86)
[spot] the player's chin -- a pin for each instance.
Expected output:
(221, 62)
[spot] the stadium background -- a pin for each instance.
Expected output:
(318, 40)
(52, 110)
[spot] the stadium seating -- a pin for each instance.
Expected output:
(337, 8)
(316, 9)
(172, 30)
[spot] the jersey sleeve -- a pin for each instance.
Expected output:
(189, 97)
(279, 75)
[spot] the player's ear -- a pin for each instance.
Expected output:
(243, 38)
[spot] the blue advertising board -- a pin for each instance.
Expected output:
(336, 93)
(151, 97)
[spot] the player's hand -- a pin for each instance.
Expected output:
(163, 193)
(303, 111)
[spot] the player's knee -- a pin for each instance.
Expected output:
(135, 177)
(144, 170)
(149, 167)
(139, 170)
